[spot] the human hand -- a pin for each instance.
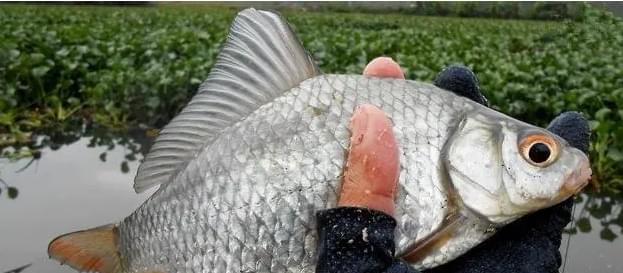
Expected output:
(372, 166)
(528, 245)
(358, 235)
(532, 243)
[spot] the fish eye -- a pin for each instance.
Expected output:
(539, 150)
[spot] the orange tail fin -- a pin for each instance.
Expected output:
(92, 250)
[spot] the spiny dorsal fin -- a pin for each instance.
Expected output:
(93, 250)
(261, 59)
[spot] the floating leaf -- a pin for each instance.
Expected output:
(130, 157)
(601, 113)
(112, 80)
(12, 192)
(124, 167)
(584, 224)
(103, 157)
(572, 231)
(13, 53)
(607, 234)
(40, 71)
(615, 154)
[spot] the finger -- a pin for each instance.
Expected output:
(461, 81)
(574, 128)
(372, 165)
(383, 67)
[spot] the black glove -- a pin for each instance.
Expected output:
(530, 244)
(357, 240)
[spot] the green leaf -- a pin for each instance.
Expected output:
(36, 57)
(584, 225)
(615, 154)
(62, 53)
(73, 101)
(40, 71)
(572, 230)
(601, 113)
(13, 53)
(124, 167)
(593, 124)
(607, 234)
(202, 35)
(103, 157)
(12, 191)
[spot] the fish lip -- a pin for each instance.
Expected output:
(574, 190)
(578, 178)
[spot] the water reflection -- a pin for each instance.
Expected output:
(67, 189)
(592, 240)
(608, 209)
(135, 142)
(19, 269)
(81, 180)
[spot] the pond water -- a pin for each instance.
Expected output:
(87, 183)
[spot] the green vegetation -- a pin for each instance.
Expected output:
(504, 9)
(67, 72)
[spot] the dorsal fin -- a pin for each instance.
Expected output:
(261, 59)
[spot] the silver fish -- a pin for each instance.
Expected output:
(261, 147)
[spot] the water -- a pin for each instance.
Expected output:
(72, 188)
(66, 190)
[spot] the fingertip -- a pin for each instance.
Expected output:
(383, 67)
(373, 162)
(462, 81)
(574, 128)
(372, 130)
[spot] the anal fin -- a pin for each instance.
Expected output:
(92, 250)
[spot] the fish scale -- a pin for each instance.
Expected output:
(262, 180)
(260, 148)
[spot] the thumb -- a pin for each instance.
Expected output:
(372, 165)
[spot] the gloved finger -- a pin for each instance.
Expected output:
(383, 67)
(461, 81)
(372, 166)
(574, 128)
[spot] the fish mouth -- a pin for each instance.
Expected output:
(578, 179)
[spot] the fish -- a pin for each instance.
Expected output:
(260, 148)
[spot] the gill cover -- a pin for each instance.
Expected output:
(474, 164)
(502, 168)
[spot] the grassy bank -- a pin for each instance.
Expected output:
(66, 72)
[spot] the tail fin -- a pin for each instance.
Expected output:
(92, 250)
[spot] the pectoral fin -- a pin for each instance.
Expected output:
(435, 240)
(93, 250)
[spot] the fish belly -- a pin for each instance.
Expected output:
(247, 202)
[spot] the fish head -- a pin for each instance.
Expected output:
(501, 168)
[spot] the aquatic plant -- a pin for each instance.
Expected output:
(64, 75)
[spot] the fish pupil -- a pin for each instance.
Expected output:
(539, 153)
